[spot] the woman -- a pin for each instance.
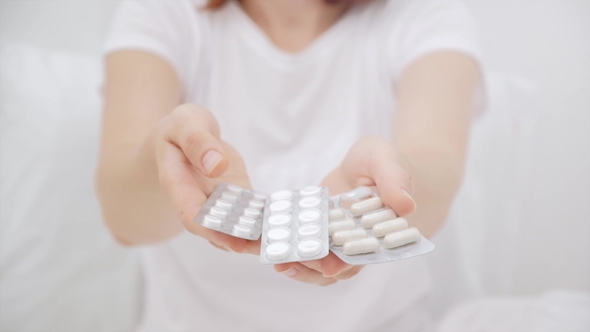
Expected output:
(342, 93)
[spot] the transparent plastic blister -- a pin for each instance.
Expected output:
(233, 210)
(295, 226)
(364, 231)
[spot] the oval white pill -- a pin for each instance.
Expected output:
(369, 220)
(211, 221)
(365, 206)
(335, 226)
(278, 234)
(258, 205)
(309, 231)
(228, 196)
(357, 193)
(309, 248)
(281, 195)
(398, 239)
(235, 189)
(310, 216)
(361, 246)
(310, 191)
(280, 206)
(218, 212)
(336, 214)
(340, 237)
(241, 230)
(310, 202)
(390, 226)
(252, 213)
(277, 251)
(260, 197)
(279, 220)
(247, 221)
(222, 203)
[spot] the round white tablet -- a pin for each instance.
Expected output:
(310, 191)
(277, 251)
(241, 230)
(280, 207)
(235, 189)
(310, 202)
(229, 196)
(211, 221)
(309, 231)
(278, 234)
(252, 213)
(310, 216)
(258, 205)
(279, 220)
(218, 212)
(222, 203)
(247, 221)
(309, 248)
(281, 195)
(260, 197)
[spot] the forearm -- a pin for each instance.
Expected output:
(134, 206)
(436, 177)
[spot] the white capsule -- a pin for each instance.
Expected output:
(277, 251)
(309, 231)
(371, 219)
(390, 226)
(260, 197)
(252, 213)
(398, 239)
(229, 196)
(310, 216)
(254, 204)
(310, 191)
(336, 214)
(335, 226)
(309, 248)
(281, 195)
(310, 202)
(278, 234)
(211, 221)
(360, 246)
(241, 230)
(222, 203)
(235, 189)
(279, 220)
(340, 237)
(365, 206)
(247, 221)
(348, 198)
(218, 212)
(280, 207)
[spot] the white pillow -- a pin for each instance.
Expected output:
(59, 268)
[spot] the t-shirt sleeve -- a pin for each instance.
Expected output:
(433, 26)
(167, 29)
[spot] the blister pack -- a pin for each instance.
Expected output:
(295, 226)
(363, 231)
(233, 210)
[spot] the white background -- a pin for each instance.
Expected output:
(546, 41)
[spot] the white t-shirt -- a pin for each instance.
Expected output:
(292, 117)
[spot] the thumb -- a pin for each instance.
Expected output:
(196, 132)
(374, 161)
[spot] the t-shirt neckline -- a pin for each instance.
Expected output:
(322, 42)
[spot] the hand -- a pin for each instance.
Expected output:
(191, 162)
(372, 161)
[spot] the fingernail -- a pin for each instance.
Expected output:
(210, 160)
(407, 194)
(291, 272)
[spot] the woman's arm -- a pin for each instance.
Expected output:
(436, 99)
(159, 161)
(419, 172)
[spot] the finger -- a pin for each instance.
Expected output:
(196, 132)
(349, 273)
(299, 272)
(373, 161)
(178, 182)
(328, 266)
